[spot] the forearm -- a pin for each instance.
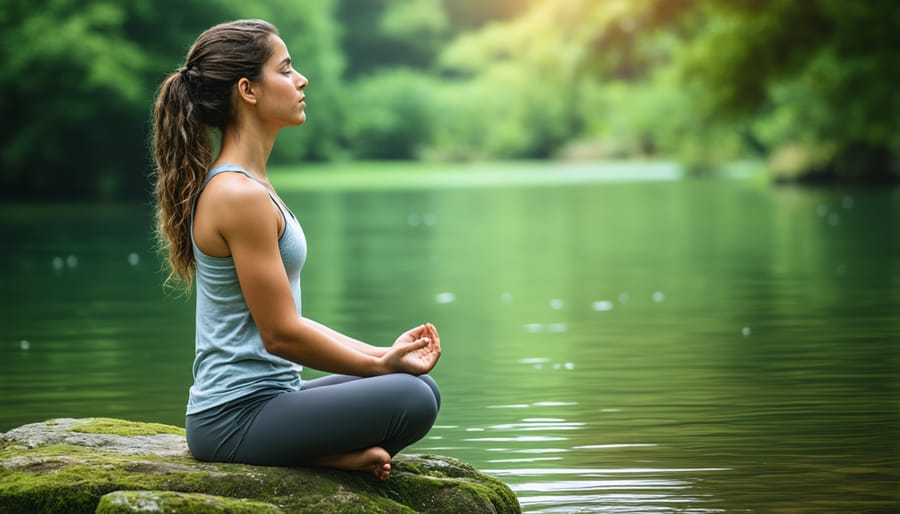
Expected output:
(346, 340)
(311, 344)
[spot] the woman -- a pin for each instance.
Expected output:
(223, 224)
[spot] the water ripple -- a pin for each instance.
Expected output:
(517, 439)
(539, 426)
(626, 490)
(596, 471)
(523, 460)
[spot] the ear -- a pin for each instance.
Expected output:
(245, 90)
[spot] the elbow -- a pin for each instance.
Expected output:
(284, 340)
(275, 342)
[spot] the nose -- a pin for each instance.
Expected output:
(302, 81)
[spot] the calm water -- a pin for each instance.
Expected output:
(647, 347)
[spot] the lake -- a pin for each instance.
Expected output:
(616, 339)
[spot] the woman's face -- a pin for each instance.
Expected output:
(280, 93)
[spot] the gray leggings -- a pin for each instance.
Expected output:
(326, 416)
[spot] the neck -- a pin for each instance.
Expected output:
(247, 148)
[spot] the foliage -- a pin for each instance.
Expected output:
(806, 85)
(56, 58)
(814, 75)
(79, 78)
(390, 114)
(382, 34)
(517, 84)
(704, 80)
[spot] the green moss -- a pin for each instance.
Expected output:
(124, 428)
(447, 487)
(128, 502)
(68, 478)
(66, 453)
(437, 466)
(81, 476)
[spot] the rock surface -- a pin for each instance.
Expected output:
(108, 466)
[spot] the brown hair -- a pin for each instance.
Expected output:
(192, 102)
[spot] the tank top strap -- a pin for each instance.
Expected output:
(222, 168)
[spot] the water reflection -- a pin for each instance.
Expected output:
(609, 490)
(534, 464)
(679, 347)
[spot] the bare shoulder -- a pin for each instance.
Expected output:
(241, 202)
(233, 207)
(233, 189)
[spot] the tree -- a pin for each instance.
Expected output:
(806, 84)
(812, 79)
(79, 80)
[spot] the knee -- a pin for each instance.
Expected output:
(421, 397)
(435, 390)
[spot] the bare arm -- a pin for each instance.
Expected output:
(249, 224)
(348, 341)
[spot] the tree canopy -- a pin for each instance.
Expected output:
(805, 86)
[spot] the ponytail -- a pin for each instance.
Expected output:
(182, 149)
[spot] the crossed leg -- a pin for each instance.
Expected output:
(349, 423)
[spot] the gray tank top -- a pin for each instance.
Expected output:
(230, 360)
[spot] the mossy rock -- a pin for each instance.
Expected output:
(109, 466)
(132, 502)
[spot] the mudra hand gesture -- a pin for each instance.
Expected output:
(416, 351)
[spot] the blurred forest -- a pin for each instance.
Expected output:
(808, 88)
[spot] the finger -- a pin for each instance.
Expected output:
(430, 349)
(435, 337)
(436, 347)
(416, 345)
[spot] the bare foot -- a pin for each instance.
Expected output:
(375, 460)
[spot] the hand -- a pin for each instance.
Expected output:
(416, 351)
(414, 334)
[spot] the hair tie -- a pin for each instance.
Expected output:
(186, 69)
(189, 79)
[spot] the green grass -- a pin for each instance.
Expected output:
(386, 175)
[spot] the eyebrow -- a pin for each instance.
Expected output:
(286, 60)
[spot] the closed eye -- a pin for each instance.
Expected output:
(286, 62)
